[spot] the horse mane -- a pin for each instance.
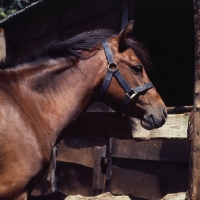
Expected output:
(75, 46)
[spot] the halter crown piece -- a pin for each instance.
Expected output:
(113, 71)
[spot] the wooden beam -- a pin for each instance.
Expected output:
(2, 44)
(193, 192)
(111, 124)
(148, 179)
(80, 150)
(53, 179)
(125, 10)
(175, 127)
(155, 150)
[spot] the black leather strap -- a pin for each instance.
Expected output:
(108, 52)
(144, 87)
(130, 92)
(105, 85)
(122, 81)
(136, 90)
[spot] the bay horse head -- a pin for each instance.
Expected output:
(126, 87)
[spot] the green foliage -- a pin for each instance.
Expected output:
(12, 6)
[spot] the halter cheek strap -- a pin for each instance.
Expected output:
(113, 71)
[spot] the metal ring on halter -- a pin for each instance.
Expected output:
(113, 64)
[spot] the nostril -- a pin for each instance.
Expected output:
(165, 113)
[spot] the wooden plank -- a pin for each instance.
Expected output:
(74, 179)
(2, 44)
(104, 196)
(89, 9)
(110, 124)
(175, 127)
(98, 178)
(157, 150)
(175, 196)
(79, 149)
(92, 24)
(25, 51)
(53, 179)
(43, 187)
(27, 25)
(148, 179)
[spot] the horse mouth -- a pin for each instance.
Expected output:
(150, 123)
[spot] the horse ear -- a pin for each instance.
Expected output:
(125, 34)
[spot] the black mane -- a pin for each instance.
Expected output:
(74, 47)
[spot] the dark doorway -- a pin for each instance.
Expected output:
(166, 29)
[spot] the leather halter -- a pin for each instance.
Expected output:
(113, 71)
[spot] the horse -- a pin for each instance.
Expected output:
(44, 96)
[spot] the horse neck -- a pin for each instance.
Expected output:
(54, 94)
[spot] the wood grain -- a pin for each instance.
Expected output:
(175, 127)
(155, 150)
(74, 179)
(110, 124)
(193, 192)
(79, 149)
(148, 179)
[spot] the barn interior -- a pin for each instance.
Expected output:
(166, 29)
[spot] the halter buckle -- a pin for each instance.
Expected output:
(131, 94)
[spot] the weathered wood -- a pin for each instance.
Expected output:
(69, 31)
(74, 179)
(52, 19)
(155, 150)
(175, 196)
(110, 124)
(104, 196)
(179, 109)
(79, 149)
(148, 179)
(175, 127)
(53, 179)
(2, 45)
(43, 187)
(193, 192)
(87, 10)
(98, 177)
(99, 106)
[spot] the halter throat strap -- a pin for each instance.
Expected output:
(113, 71)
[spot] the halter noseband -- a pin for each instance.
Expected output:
(113, 71)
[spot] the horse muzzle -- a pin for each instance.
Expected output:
(152, 121)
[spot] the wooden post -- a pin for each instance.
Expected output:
(2, 45)
(125, 10)
(193, 192)
(53, 180)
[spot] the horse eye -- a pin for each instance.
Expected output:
(137, 68)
